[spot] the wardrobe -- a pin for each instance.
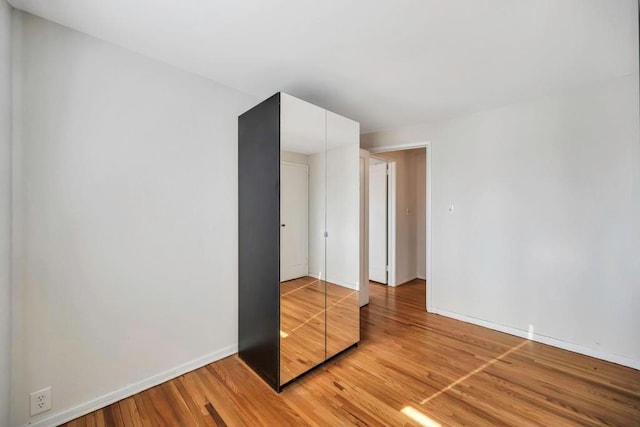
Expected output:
(299, 237)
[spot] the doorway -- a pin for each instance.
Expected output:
(399, 216)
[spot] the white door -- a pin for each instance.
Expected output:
(294, 221)
(378, 223)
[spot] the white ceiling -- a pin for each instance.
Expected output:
(385, 63)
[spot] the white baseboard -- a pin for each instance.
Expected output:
(344, 284)
(89, 406)
(421, 278)
(598, 354)
(405, 280)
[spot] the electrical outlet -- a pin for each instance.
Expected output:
(40, 401)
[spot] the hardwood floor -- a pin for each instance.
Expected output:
(411, 368)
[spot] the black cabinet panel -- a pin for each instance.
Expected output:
(259, 238)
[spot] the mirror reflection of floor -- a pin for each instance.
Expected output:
(304, 321)
(302, 326)
(343, 318)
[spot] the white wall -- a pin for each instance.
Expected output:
(317, 214)
(5, 210)
(128, 205)
(334, 206)
(343, 215)
(288, 156)
(545, 232)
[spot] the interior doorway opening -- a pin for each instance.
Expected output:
(398, 216)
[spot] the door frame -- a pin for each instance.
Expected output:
(363, 286)
(429, 266)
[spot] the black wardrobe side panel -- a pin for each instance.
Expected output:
(259, 238)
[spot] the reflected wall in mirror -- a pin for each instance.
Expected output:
(343, 230)
(302, 241)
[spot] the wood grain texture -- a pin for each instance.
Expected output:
(302, 326)
(411, 368)
(318, 320)
(343, 318)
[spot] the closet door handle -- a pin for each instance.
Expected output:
(283, 225)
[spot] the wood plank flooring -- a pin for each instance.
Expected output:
(411, 368)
